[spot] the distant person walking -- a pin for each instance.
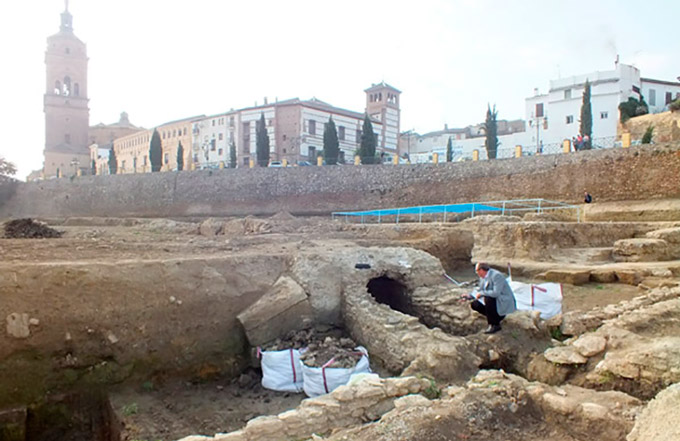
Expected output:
(587, 198)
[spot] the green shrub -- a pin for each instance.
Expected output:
(647, 137)
(675, 105)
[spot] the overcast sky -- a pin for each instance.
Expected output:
(165, 60)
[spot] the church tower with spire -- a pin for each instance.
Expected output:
(67, 115)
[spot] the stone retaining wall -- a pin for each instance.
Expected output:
(645, 172)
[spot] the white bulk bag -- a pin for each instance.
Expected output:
(281, 370)
(545, 297)
(322, 380)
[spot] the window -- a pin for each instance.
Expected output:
(231, 121)
(221, 136)
(539, 110)
(604, 115)
(144, 159)
(166, 158)
(220, 152)
(669, 97)
(185, 131)
(312, 153)
(213, 123)
(284, 137)
(212, 145)
(312, 127)
(270, 122)
(341, 133)
(636, 89)
(652, 97)
(570, 119)
(567, 94)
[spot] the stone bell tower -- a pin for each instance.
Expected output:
(67, 115)
(382, 104)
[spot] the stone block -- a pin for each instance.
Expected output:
(589, 345)
(670, 235)
(282, 309)
(564, 355)
(263, 426)
(17, 325)
(572, 277)
(603, 276)
(232, 436)
(640, 250)
(412, 401)
(629, 277)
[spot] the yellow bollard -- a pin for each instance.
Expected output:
(518, 151)
(475, 155)
(193, 166)
(566, 146)
(221, 165)
(251, 163)
(79, 172)
(435, 158)
(319, 161)
(625, 140)
(357, 160)
(284, 162)
(395, 160)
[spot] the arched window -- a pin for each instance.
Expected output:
(67, 85)
(76, 89)
(57, 87)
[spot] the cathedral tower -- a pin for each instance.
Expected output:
(67, 116)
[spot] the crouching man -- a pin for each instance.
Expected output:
(498, 299)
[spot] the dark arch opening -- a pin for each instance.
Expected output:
(392, 293)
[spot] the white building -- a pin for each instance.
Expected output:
(295, 128)
(555, 116)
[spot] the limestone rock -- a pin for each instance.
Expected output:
(282, 309)
(564, 355)
(211, 227)
(659, 420)
(629, 277)
(589, 345)
(412, 401)
(17, 325)
(603, 276)
(640, 250)
(572, 277)
(670, 235)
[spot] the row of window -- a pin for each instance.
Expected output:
(570, 118)
(175, 133)
(669, 97)
(65, 88)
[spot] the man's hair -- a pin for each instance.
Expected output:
(483, 266)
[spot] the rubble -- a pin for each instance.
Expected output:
(29, 229)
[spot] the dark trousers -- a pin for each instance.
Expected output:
(488, 309)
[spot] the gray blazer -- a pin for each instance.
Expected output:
(495, 285)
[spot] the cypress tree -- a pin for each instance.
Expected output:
(94, 167)
(491, 129)
(156, 151)
(586, 128)
(113, 162)
(232, 155)
(368, 142)
(180, 157)
(449, 151)
(331, 145)
(262, 142)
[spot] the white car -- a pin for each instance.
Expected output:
(276, 164)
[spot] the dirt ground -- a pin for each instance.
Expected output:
(173, 408)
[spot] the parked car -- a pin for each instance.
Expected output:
(276, 164)
(303, 163)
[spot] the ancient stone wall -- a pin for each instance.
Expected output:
(645, 172)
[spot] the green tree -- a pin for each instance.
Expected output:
(491, 128)
(113, 162)
(180, 157)
(586, 127)
(449, 151)
(632, 107)
(649, 134)
(368, 142)
(7, 168)
(232, 155)
(331, 145)
(262, 142)
(156, 152)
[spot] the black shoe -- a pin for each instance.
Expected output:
(492, 329)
